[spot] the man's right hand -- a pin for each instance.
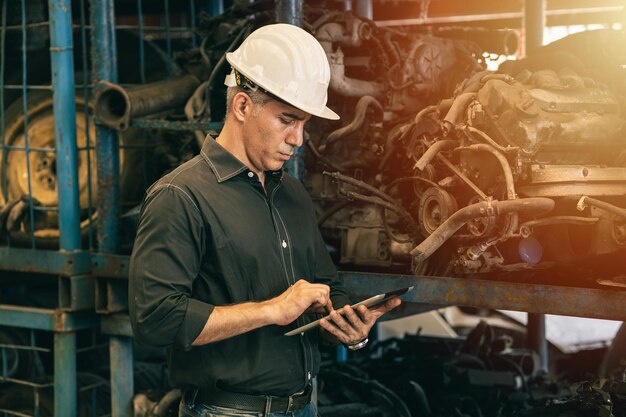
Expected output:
(297, 299)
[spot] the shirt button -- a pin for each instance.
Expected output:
(250, 174)
(308, 375)
(284, 244)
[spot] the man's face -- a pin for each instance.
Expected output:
(271, 135)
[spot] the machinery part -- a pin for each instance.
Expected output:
(483, 226)
(584, 201)
(488, 139)
(42, 161)
(436, 206)
(381, 199)
(363, 105)
(457, 110)
(506, 168)
(350, 87)
(497, 41)
(526, 228)
(552, 118)
(433, 150)
(42, 184)
(462, 176)
(145, 406)
(528, 206)
(330, 33)
(288, 63)
(115, 106)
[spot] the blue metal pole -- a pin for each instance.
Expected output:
(61, 53)
(341, 354)
(104, 63)
(121, 353)
(65, 391)
(215, 7)
(290, 11)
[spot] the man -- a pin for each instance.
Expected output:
(228, 256)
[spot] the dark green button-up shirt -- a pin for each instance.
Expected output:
(210, 235)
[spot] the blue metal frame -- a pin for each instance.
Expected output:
(61, 53)
(45, 261)
(65, 392)
(104, 62)
(290, 11)
(46, 319)
(62, 61)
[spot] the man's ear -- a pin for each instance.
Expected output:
(242, 106)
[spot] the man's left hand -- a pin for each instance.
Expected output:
(355, 324)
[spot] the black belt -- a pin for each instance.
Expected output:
(256, 403)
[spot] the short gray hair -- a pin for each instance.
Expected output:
(258, 98)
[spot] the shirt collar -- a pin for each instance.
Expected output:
(224, 164)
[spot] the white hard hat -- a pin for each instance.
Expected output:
(286, 62)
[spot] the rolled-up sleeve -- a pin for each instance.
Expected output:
(166, 259)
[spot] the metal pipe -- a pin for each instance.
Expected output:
(115, 106)
(334, 33)
(168, 401)
(215, 7)
(289, 11)
(362, 106)
(64, 105)
(341, 354)
(104, 63)
(536, 338)
(534, 24)
(350, 87)
(365, 8)
(121, 352)
(457, 110)
(31, 213)
(526, 228)
(533, 206)
(65, 392)
(488, 139)
(585, 201)
(432, 151)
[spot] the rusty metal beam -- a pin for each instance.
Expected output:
(44, 261)
(46, 319)
(532, 298)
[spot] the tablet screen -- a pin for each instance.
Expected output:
(370, 302)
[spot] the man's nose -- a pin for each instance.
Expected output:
(295, 136)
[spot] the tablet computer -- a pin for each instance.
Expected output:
(370, 302)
